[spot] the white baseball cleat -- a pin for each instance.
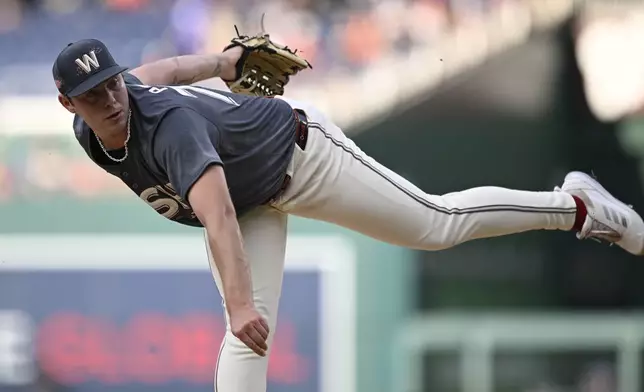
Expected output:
(608, 219)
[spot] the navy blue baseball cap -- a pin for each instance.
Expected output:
(83, 65)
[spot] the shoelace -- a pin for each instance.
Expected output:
(600, 236)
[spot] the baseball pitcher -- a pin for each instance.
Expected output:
(238, 163)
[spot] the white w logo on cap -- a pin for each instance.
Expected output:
(87, 61)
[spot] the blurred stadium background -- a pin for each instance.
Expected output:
(98, 293)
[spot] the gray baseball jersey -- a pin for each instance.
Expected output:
(179, 131)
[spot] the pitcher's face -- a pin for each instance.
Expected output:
(104, 108)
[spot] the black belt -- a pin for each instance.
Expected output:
(301, 137)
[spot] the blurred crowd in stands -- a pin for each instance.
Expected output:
(338, 37)
(333, 35)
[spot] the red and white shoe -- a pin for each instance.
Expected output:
(608, 219)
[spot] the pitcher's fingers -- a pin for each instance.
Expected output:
(257, 338)
(262, 328)
(248, 341)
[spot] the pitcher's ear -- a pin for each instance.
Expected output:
(67, 103)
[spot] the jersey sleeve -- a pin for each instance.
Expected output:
(185, 146)
(130, 79)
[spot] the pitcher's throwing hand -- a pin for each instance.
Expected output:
(250, 327)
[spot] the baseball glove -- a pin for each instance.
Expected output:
(265, 67)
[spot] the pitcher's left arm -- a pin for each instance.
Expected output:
(188, 69)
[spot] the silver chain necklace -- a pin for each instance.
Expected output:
(127, 139)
